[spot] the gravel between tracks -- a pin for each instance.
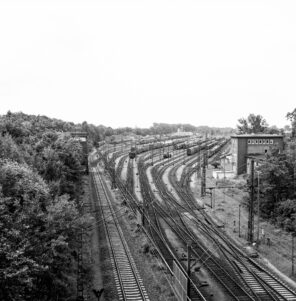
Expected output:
(277, 256)
(150, 268)
(101, 265)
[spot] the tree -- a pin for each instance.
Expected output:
(274, 130)
(23, 200)
(286, 215)
(253, 124)
(40, 187)
(9, 149)
(38, 237)
(276, 174)
(292, 117)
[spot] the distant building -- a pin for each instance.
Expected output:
(221, 174)
(252, 146)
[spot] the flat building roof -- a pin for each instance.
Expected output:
(257, 136)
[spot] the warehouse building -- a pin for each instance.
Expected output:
(252, 146)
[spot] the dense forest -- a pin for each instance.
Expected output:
(40, 189)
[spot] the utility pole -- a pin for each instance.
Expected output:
(294, 168)
(258, 209)
(197, 169)
(188, 269)
(251, 206)
(152, 153)
(199, 156)
(160, 149)
(239, 219)
(211, 194)
(173, 152)
(113, 176)
(142, 208)
(203, 177)
(80, 291)
(224, 170)
(293, 235)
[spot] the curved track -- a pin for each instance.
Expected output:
(241, 277)
(261, 284)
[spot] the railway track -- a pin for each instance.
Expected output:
(251, 280)
(262, 283)
(255, 282)
(128, 281)
(155, 235)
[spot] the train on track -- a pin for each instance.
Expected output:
(211, 145)
(200, 146)
(135, 150)
(188, 143)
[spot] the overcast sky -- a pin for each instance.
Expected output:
(132, 63)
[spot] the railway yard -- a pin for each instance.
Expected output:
(159, 240)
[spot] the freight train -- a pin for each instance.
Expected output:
(194, 149)
(147, 147)
(188, 143)
(212, 146)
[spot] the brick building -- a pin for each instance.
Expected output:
(252, 145)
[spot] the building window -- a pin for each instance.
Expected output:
(260, 141)
(271, 141)
(256, 141)
(249, 141)
(267, 141)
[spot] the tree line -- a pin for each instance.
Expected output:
(99, 133)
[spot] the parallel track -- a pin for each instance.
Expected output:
(257, 279)
(128, 281)
(254, 282)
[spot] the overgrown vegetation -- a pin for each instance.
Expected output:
(277, 174)
(277, 187)
(40, 187)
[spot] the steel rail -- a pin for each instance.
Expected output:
(130, 285)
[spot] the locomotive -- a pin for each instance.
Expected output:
(132, 154)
